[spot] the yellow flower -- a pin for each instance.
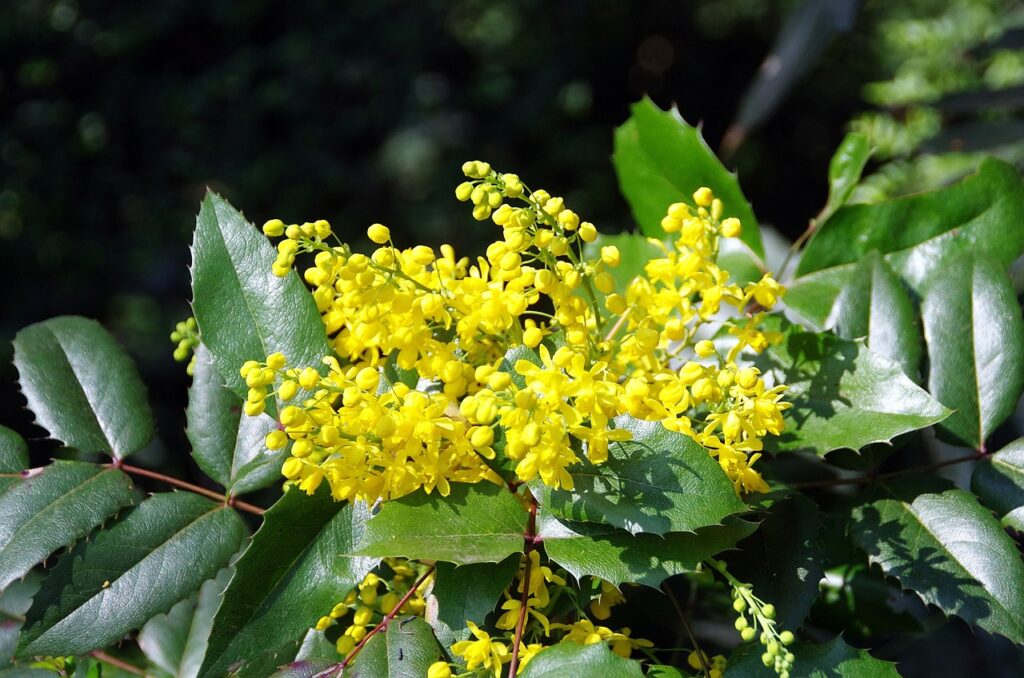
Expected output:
(483, 652)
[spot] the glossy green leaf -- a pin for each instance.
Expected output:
(176, 641)
(82, 386)
(975, 335)
(305, 668)
(951, 552)
(476, 523)
(471, 591)
(15, 601)
(226, 444)
(999, 483)
(619, 557)
(920, 233)
(297, 567)
(660, 160)
(156, 555)
(13, 456)
(844, 170)
(244, 311)
(834, 659)
(405, 650)
(571, 659)
(53, 507)
(843, 395)
(658, 482)
(872, 303)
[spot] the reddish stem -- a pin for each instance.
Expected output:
(228, 501)
(102, 656)
(529, 543)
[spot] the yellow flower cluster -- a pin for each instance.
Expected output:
(186, 338)
(545, 285)
(716, 665)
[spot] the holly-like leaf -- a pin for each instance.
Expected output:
(53, 507)
(660, 160)
(476, 523)
(243, 310)
(618, 556)
(572, 659)
(870, 302)
(975, 335)
(834, 659)
(82, 386)
(13, 456)
(405, 650)
(159, 553)
(176, 641)
(999, 483)
(226, 444)
(298, 566)
(843, 395)
(844, 172)
(919, 234)
(660, 481)
(471, 591)
(951, 552)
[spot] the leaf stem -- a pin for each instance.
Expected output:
(689, 631)
(529, 544)
(873, 477)
(228, 500)
(100, 655)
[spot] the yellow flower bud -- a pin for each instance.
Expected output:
(439, 670)
(288, 390)
(703, 196)
(378, 233)
(610, 255)
(463, 191)
(276, 440)
(604, 282)
(588, 232)
(616, 303)
(731, 227)
(345, 645)
(253, 409)
(309, 378)
(704, 348)
(532, 336)
(481, 436)
(367, 379)
(273, 228)
(292, 468)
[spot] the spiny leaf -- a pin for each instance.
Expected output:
(471, 591)
(834, 659)
(999, 483)
(405, 650)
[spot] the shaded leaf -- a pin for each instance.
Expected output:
(844, 170)
(15, 601)
(13, 456)
(571, 659)
(999, 483)
(471, 591)
(53, 507)
(82, 386)
(951, 552)
(304, 668)
(834, 659)
(975, 335)
(405, 650)
(140, 566)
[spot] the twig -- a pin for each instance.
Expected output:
(229, 500)
(873, 477)
(689, 631)
(102, 656)
(529, 543)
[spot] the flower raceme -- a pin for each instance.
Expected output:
(450, 322)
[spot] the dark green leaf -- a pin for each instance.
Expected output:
(471, 591)
(834, 659)
(227, 445)
(999, 483)
(660, 160)
(244, 311)
(14, 603)
(918, 234)
(952, 553)
(13, 456)
(619, 557)
(975, 335)
(82, 386)
(571, 659)
(406, 650)
(476, 523)
(52, 508)
(844, 172)
(298, 566)
(843, 395)
(305, 668)
(659, 482)
(159, 553)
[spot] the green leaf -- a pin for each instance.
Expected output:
(975, 335)
(999, 483)
(571, 659)
(620, 557)
(870, 302)
(13, 456)
(660, 481)
(82, 386)
(952, 553)
(298, 566)
(476, 523)
(53, 507)
(844, 172)
(843, 395)
(635, 250)
(305, 668)
(470, 591)
(244, 311)
(834, 659)
(405, 650)
(164, 549)
(15, 601)
(176, 641)
(918, 234)
(227, 445)
(660, 160)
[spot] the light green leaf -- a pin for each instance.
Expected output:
(405, 650)
(843, 395)
(226, 444)
(844, 172)
(140, 566)
(53, 507)
(298, 566)
(619, 557)
(975, 335)
(658, 482)
(999, 483)
(244, 311)
(952, 553)
(476, 523)
(82, 386)
(571, 659)
(471, 591)
(834, 659)
(13, 456)
(919, 234)
(660, 160)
